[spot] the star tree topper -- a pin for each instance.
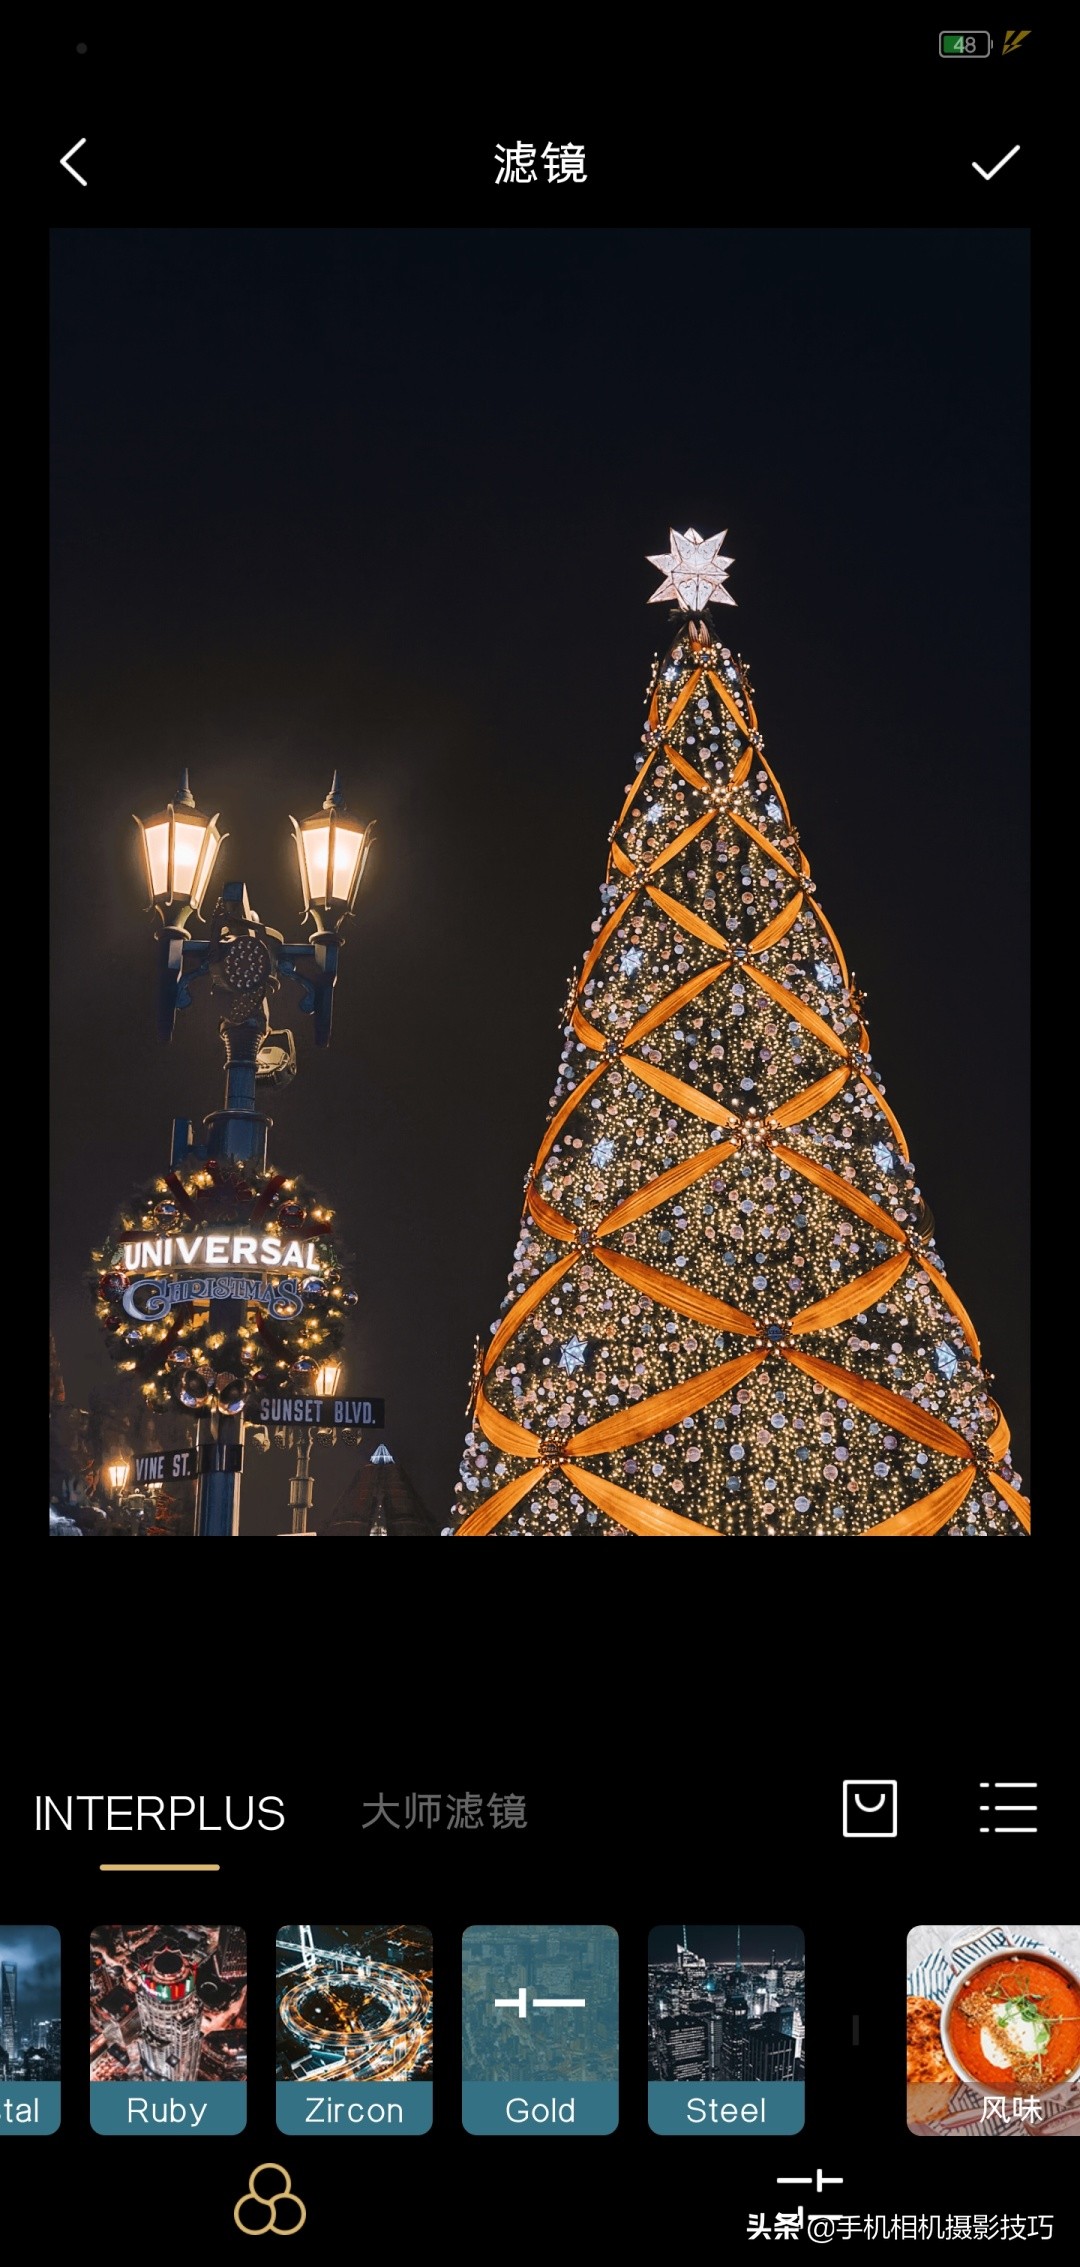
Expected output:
(694, 569)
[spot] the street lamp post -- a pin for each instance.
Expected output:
(302, 1486)
(130, 1503)
(117, 1476)
(301, 1489)
(245, 961)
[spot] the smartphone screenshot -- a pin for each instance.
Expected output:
(539, 1008)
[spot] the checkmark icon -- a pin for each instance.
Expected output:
(995, 168)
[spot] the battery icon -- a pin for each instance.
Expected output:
(965, 43)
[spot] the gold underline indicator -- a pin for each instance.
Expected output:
(135, 1867)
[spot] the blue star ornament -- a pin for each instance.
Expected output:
(694, 571)
(573, 1355)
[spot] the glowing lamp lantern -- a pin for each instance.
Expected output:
(332, 850)
(179, 848)
(327, 1380)
(118, 1474)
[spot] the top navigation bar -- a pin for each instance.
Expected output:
(816, 125)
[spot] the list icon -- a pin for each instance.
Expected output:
(1011, 1806)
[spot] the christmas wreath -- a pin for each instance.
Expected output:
(221, 1356)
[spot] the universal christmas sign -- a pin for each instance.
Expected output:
(218, 1283)
(155, 1284)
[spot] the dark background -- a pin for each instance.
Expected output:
(380, 499)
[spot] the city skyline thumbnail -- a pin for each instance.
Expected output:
(29, 2002)
(727, 2005)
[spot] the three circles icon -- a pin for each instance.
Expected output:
(285, 2212)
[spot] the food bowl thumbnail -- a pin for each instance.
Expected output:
(1011, 2024)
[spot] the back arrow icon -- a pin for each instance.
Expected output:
(994, 168)
(70, 168)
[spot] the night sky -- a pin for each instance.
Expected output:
(715, 1942)
(381, 499)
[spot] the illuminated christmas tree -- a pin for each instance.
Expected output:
(727, 1314)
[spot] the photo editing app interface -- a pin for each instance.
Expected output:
(814, 2052)
(386, 521)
